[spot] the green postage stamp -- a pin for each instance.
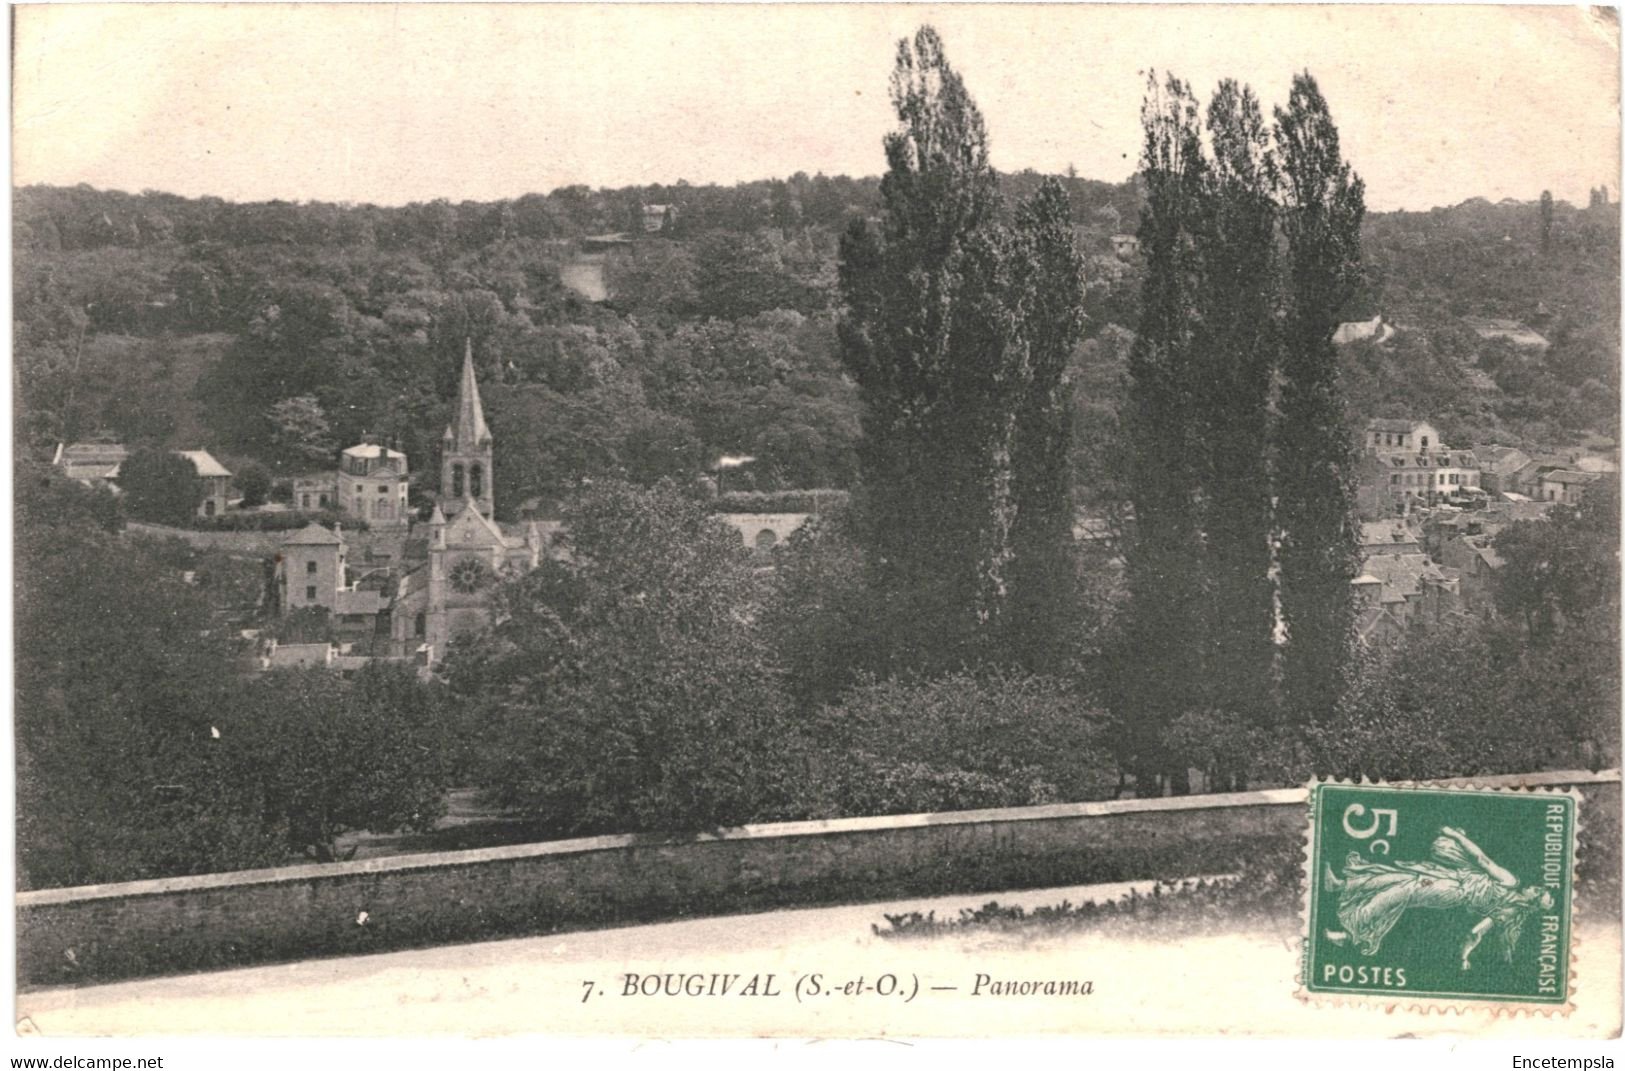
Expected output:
(1439, 894)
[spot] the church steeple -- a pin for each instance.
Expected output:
(465, 448)
(467, 430)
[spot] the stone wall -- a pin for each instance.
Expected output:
(94, 933)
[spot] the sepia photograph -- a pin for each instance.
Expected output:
(828, 521)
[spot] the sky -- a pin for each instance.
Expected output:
(398, 103)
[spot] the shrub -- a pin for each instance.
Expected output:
(160, 487)
(255, 484)
(288, 521)
(1463, 699)
(959, 742)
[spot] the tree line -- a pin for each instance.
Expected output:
(936, 640)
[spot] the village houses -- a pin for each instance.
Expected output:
(98, 464)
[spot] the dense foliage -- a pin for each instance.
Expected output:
(957, 359)
(139, 753)
(625, 688)
(160, 487)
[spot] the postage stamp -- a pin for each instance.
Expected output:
(1440, 895)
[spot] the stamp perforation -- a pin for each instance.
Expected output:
(1431, 1002)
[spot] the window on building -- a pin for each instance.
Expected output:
(1424, 442)
(310, 593)
(304, 501)
(476, 480)
(457, 481)
(310, 567)
(208, 507)
(359, 489)
(420, 625)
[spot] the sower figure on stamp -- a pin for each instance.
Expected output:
(1372, 896)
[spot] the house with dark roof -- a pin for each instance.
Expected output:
(1476, 561)
(1498, 465)
(1567, 486)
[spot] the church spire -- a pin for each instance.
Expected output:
(466, 473)
(467, 429)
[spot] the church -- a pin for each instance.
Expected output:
(413, 594)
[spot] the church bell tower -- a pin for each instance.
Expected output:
(465, 448)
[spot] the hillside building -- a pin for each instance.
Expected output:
(98, 464)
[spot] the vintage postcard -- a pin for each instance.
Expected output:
(815, 521)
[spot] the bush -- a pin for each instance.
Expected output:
(960, 742)
(160, 487)
(255, 484)
(43, 497)
(288, 521)
(1468, 698)
(1234, 751)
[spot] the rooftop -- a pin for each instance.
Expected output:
(314, 535)
(373, 450)
(1570, 476)
(204, 463)
(1390, 424)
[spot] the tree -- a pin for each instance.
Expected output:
(1322, 205)
(301, 432)
(655, 278)
(626, 688)
(119, 679)
(255, 484)
(818, 618)
(1043, 594)
(1165, 570)
(1563, 570)
(1545, 221)
(1238, 345)
(927, 335)
(160, 487)
(326, 755)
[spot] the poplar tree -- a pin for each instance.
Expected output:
(1165, 572)
(1238, 346)
(1322, 204)
(928, 333)
(1044, 595)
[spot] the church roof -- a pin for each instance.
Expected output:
(470, 528)
(467, 428)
